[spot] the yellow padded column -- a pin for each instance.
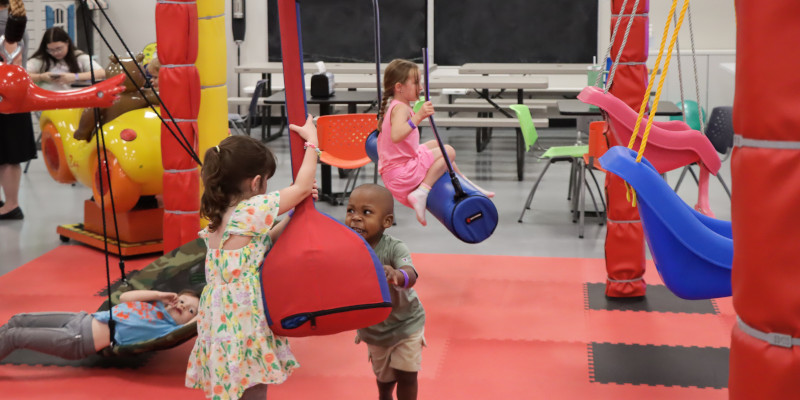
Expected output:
(212, 122)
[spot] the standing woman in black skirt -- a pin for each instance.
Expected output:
(17, 144)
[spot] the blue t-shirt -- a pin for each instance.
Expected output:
(138, 321)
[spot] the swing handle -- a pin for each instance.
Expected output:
(456, 184)
(377, 27)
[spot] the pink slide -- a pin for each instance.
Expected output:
(670, 145)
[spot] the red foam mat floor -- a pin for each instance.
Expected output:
(498, 327)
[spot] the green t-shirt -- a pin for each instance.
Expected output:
(407, 315)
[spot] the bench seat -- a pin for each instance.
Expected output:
(506, 102)
(496, 122)
(477, 107)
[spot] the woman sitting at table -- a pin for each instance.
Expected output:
(57, 64)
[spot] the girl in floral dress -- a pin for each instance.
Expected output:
(236, 354)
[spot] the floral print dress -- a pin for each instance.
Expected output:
(235, 349)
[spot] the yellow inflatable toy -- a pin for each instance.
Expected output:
(133, 143)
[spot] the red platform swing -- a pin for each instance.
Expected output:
(320, 277)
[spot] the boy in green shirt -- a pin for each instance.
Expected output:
(394, 345)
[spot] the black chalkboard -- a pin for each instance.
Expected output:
(343, 30)
(514, 31)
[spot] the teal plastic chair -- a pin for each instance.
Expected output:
(571, 154)
(690, 109)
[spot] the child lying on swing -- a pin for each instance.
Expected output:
(141, 315)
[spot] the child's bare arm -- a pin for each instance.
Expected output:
(276, 230)
(304, 181)
(400, 117)
(411, 274)
(148, 295)
(398, 278)
(400, 127)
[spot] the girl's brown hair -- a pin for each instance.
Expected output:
(189, 292)
(56, 34)
(226, 168)
(396, 72)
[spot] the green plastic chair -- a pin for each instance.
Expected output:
(529, 135)
(571, 154)
(419, 104)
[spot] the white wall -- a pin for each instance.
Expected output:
(135, 21)
(713, 24)
(714, 28)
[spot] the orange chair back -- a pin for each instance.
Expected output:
(342, 138)
(598, 143)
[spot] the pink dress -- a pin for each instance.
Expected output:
(402, 165)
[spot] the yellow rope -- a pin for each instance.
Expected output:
(661, 81)
(653, 75)
(630, 194)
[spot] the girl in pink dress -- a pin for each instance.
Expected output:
(236, 354)
(409, 168)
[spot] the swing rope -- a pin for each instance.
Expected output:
(680, 69)
(654, 109)
(377, 25)
(611, 43)
(180, 137)
(459, 192)
(694, 69)
(643, 107)
(102, 157)
(694, 66)
(622, 45)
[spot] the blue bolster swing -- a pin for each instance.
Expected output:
(471, 216)
(459, 206)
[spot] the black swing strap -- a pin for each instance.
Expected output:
(377, 25)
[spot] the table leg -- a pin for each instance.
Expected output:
(520, 155)
(266, 92)
(326, 194)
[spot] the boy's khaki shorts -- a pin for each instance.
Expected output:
(405, 355)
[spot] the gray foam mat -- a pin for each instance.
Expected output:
(29, 357)
(658, 299)
(659, 365)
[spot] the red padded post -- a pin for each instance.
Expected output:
(766, 264)
(625, 252)
(179, 87)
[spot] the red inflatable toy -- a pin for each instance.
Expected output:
(19, 94)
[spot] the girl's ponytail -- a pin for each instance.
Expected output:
(213, 203)
(382, 110)
(226, 168)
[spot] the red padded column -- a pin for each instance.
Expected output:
(625, 252)
(179, 87)
(766, 263)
